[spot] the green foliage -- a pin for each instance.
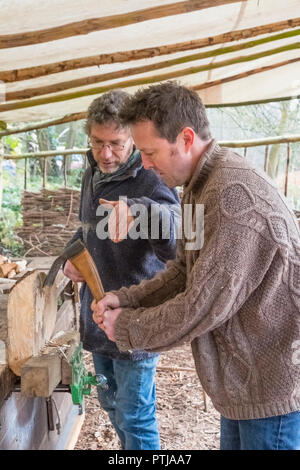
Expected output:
(9, 224)
(11, 143)
(61, 136)
(261, 121)
(11, 218)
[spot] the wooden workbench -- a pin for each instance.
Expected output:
(23, 420)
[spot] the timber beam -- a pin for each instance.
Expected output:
(40, 375)
(9, 76)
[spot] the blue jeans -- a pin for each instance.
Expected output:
(275, 433)
(130, 400)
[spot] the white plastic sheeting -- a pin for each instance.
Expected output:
(25, 16)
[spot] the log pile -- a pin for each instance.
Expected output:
(10, 269)
(50, 218)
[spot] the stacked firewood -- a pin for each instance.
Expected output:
(50, 218)
(9, 269)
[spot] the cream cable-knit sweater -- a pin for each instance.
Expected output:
(237, 299)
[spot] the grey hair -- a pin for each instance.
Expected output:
(105, 110)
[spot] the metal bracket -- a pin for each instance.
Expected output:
(49, 402)
(81, 385)
(81, 380)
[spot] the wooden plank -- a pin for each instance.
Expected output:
(7, 381)
(24, 424)
(66, 368)
(65, 317)
(283, 139)
(75, 432)
(238, 76)
(6, 285)
(61, 86)
(145, 80)
(43, 124)
(31, 317)
(40, 375)
(137, 54)
(107, 22)
(40, 262)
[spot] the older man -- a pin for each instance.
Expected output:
(115, 177)
(235, 296)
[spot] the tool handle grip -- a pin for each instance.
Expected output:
(84, 263)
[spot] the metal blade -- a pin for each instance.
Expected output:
(50, 278)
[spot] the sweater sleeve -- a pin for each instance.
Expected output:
(163, 286)
(230, 266)
(162, 220)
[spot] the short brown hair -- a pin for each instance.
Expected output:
(105, 109)
(170, 107)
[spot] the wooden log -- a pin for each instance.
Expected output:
(3, 259)
(6, 268)
(146, 80)
(107, 22)
(7, 381)
(31, 316)
(43, 124)
(257, 142)
(238, 76)
(40, 375)
(65, 316)
(45, 90)
(251, 102)
(12, 274)
(66, 368)
(137, 54)
(45, 153)
(287, 169)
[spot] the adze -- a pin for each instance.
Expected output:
(81, 259)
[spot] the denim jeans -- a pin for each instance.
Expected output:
(275, 433)
(130, 400)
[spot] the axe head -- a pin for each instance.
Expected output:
(69, 252)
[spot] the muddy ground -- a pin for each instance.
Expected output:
(183, 421)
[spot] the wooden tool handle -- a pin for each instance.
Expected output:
(84, 263)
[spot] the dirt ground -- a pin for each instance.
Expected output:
(183, 422)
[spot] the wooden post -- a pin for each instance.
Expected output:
(266, 158)
(45, 173)
(40, 375)
(21, 74)
(65, 171)
(25, 174)
(287, 169)
(245, 152)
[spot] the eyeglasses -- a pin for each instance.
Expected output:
(114, 147)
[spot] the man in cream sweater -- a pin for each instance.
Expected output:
(235, 295)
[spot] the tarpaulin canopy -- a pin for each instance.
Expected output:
(57, 56)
